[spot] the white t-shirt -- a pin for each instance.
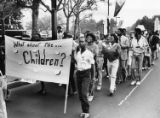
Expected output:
(141, 43)
(124, 41)
(84, 60)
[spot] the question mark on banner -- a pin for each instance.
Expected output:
(63, 55)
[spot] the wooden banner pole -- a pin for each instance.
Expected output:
(66, 99)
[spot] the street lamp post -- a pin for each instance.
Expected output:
(54, 19)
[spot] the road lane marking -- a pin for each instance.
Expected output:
(125, 99)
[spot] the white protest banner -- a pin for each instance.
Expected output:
(44, 60)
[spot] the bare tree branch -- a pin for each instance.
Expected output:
(46, 6)
(59, 4)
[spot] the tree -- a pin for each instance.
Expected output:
(148, 23)
(7, 8)
(81, 6)
(14, 21)
(58, 7)
(113, 25)
(53, 11)
(44, 23)
(34, 6)
(100, 26)
(68, 11)
(88, 25)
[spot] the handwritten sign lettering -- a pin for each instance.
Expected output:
(45, 60)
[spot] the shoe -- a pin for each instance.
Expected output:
(82, 114)
(75, 93)
(43, 92)
(149, 68)
(86, 115)
(138, 83)
(90, 98)
(133, 82)
(7, 95)
(99, 87)
(119, 81)
(111, 93)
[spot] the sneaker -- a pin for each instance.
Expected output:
(111, 92)
(99, 87)
(138, 83)
(86, 115)
(75, 93)
(90, 98)
(82, 114)
(133, 82)
(7, 95)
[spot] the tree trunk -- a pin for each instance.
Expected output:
(35, 14)
(75, 27)
(67, 24)
(78, 25)
(54, 19)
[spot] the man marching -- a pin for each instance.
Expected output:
(85, 72)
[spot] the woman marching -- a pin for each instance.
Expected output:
(112, 52)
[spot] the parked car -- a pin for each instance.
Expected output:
(20, 34)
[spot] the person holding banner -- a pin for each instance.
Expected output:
(85, 72)
(37, 37)
(3, 111)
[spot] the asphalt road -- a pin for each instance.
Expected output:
(128, 102)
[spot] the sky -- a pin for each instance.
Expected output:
(131, 11)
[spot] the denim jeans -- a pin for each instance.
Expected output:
(137, 61)
(112, 71)
(99, 67)
(83, 81)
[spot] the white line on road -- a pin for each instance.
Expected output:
(125, 99)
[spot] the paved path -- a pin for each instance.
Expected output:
(129, 101)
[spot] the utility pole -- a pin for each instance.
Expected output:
(54, 19)
(108, 24)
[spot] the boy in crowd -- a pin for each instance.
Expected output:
(85, 72)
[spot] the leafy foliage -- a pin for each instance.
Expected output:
(148, 23)
(11, 14)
